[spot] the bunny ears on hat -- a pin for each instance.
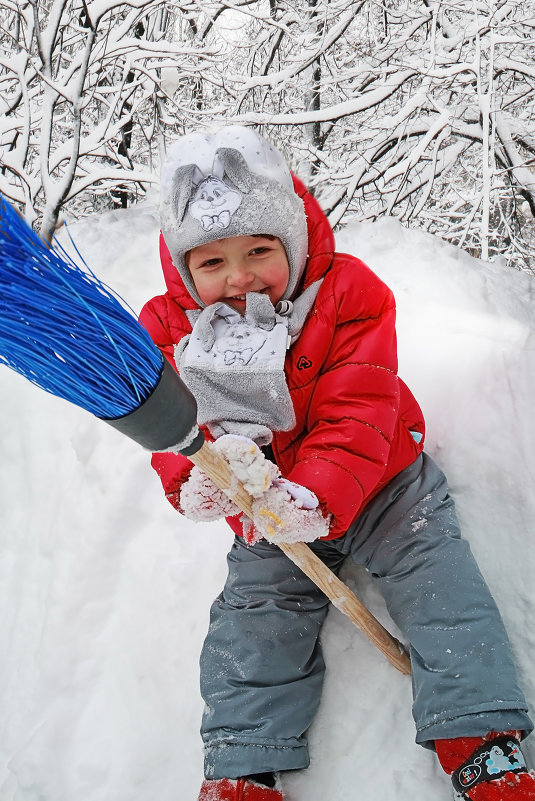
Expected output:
(229, 183)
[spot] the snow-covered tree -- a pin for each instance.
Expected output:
(82, 97)
(419, 110)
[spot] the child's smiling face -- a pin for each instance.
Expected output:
(226, 269)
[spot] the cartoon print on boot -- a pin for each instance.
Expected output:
(498, 762)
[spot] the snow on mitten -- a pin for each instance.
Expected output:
(282, 510)
(304, 497)
(280, 517)
(202, 500)
(247, 462)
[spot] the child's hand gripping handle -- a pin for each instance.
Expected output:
(211, 462)
(166, 420)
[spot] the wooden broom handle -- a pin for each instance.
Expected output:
(211, 462)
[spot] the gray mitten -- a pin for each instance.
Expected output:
(234, 366)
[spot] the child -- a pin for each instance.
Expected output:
(291, 345)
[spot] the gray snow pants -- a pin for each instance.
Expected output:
(261, 665)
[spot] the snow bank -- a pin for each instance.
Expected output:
(105, 589)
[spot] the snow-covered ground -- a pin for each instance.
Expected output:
(105, 590)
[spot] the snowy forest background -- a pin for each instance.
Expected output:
(419, 110)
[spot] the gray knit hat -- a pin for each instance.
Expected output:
(231, 182)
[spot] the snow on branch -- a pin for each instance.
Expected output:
(411, 109)
(423, 110)
(81, 92)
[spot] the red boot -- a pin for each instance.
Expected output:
(237, 790)
(490, 768)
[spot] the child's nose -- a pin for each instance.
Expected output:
(240, 275)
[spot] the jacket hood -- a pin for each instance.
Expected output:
(320, 251)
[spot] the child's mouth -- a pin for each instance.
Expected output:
(264, 291)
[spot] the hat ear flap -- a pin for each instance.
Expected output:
(183, 180)
(235, 166)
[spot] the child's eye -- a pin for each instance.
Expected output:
(259, 250)
(209, 263)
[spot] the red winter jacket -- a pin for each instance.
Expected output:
(354, 414)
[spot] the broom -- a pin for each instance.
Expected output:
(70, 334)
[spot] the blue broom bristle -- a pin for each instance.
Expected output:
(66, 331)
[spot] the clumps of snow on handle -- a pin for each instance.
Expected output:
(282, 511)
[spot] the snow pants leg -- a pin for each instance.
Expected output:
(262, 667)
(463, 672)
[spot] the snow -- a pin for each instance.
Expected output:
(105, 589)
(247, 462)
